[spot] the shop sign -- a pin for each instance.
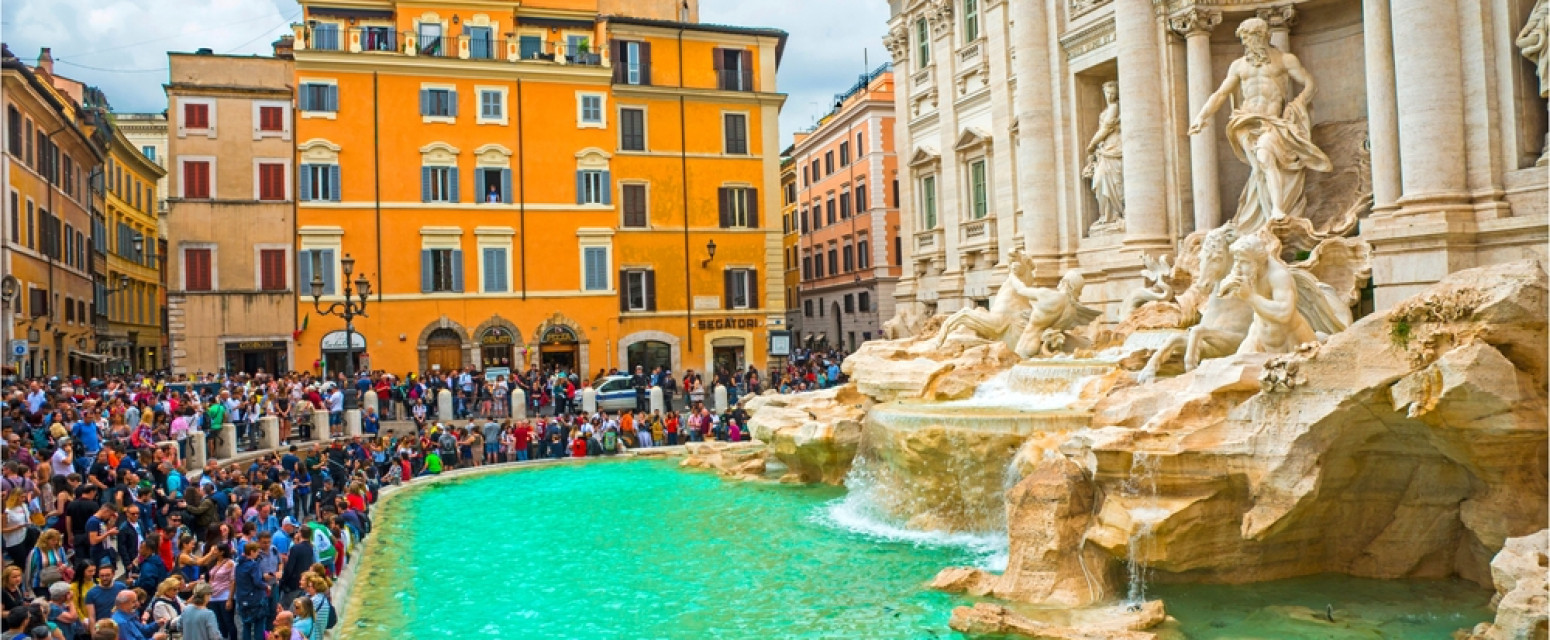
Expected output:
(727, 323)
(559, 334)
(334, 341)
(497, 337)
(256, 345)
(780, 343)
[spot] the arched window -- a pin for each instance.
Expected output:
(649, 354)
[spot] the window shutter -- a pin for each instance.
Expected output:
(506, 195)
(581, 189)
(425, 102)
(651, 290)
(753, 207)
(427, 268)
(304, 272)
(501, 270)
(425, 184)
(333, 98)
(616, 50)
(716, 57)
(326, 263)
(334, 186)
(452, 185)
(747, 69)
(723, 197)
(753, 289)
(607, 188)
(304, 100)
(624, 286)
(479, 188)
(645, 63)
(304, 180)
(726, 286)
(452, 103)
(457, 270)
(489, 270)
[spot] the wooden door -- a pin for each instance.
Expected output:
(448, 356)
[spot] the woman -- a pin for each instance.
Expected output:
(301, 628)
(47, 563)
(166, 605)
(85, 579)
(734, 432)
(221, 578)
(322, 609)
(11, 580)
(697, 393)
(199, 622)
(14, 530)
(189, 565)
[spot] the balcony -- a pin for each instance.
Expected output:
(969, 54)
(929, 241)
(922, 80)
(977, 235)
(734, 80)
(385, 41)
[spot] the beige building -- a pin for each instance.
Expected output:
(1430, 115)
(231, 214)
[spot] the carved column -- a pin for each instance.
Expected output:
(1196, 26)
(1280, 20)
(1036, 128)
(1430, 106)
(1141, 119)
(1382, 120)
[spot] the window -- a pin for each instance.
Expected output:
(70, 310)
(861, 203)
(634, 196)
(196, 270)
(325, 36)
(632, 129)
(271, 270)
(849, 257)
(922, 43)
(850, 303)
(734, 69)
(928, 202)
(860, 145)
(834, 262)
(807, 308)
(196, 179)
(816, 177)
(438, 184)
(149, 152)
(741, 288)
(736, 125)
(318, 96)
(441, 271)
(818, 269)
(632, 62)
(320, 182)
(807, 268)
(271, 119)
(977, 197)
(430, 39)
(639, 292)
(804, 175)
(739, 207)
(13, 123)
(16, 219)
(481, 43)
(495, 270)
(196, 116)
(594, 268)
(591, 109)
(863, 256)
(439, 103)
(845, 154)
(791, 194)
(493, 185)
(28, 137)
(490, 106)
(845, 205)
(271, 181)
(379, 39)
(532, 48)
(898, 251)
(828, 163)
(802, 220)
(971, 20)
(829, 210)
(592, 187)
(312, 263)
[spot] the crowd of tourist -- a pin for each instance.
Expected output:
(108, 535)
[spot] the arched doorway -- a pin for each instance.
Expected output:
(495, 351)
(444, 350)
(649, 354)
(559, 346)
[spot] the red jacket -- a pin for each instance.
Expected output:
(578, 448)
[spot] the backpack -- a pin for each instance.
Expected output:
(610, 440)
(333, 614)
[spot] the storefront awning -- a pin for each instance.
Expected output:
(99, 358)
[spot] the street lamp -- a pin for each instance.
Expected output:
(710, 252)
(348, 309)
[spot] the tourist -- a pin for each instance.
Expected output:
(128, 619)
(322, 608)
(102, 597)
(198, 622)
(251, 592)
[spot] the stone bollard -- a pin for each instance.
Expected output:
(518, 404)
(654, 398)
(320, 426)
(720, 399)
(225, 444)
(196, 451)
(369, 400)
(444, 407)
(589, 400)
(352, 423)
(269, 432)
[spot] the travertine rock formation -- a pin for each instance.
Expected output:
(1107, 623)
(1522, 598)
(919, 369)
(742, 460)
(815, 434)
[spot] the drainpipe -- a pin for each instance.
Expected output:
(376, 182)
(683, 168)
(521, 194)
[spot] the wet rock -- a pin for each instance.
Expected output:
(1109, 623)
(1522, 597)
(815, 434)
(740, 460)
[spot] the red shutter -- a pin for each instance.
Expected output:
(272, 269)
(196, 179)
(271, 119)
(196, 266)
(271, 181)
(196, 116)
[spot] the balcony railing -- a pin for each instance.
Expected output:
(734, 80)
(382, 40)
(929, 241)
(977, 233)
(969, 54)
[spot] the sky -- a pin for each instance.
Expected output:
(120, 45)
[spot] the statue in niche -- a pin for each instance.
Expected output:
(1105, 163)
(1002, 320)
(1224, 320)
(1051, 313)
(1266, 131)
(1533, 41)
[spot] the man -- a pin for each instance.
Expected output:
(284, 538)
(492, 441)
(669, 387)
(131, 532)
(62, 463)
(335, 409)
(202, 511)
(297, 561)
(640, 382)
(103, 597)
(101, 535)
(128, 620)
(59, 612)
(1270, 133)
(86, 432)
(149, 569)
(269, 562)
(215, 420)
(250, 591)
(77, 513)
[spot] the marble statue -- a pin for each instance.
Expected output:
(1266, 130)
(1268, 286)
(1051, 313)
(1533, 41)
(1224, 320)
(1000, 320)
(1155, 288)
(1105, 164)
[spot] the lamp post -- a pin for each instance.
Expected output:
(348, 309)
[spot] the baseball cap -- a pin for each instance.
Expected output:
(288, 522)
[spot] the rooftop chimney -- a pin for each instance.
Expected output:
(46, 61)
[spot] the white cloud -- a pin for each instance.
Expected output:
(121, 46)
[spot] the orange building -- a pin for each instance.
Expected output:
(847, 216)
(544, 183)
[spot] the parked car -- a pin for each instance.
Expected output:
(614, 394)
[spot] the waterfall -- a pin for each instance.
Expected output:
(1141, 488)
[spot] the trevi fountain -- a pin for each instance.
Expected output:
(1239, 407)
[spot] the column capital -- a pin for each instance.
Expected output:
(1279, 17)
(1195, 22)
(897, 41)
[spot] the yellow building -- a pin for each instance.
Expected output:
(789, 236)
(50, 156)
(131, 239)
(550, 183)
